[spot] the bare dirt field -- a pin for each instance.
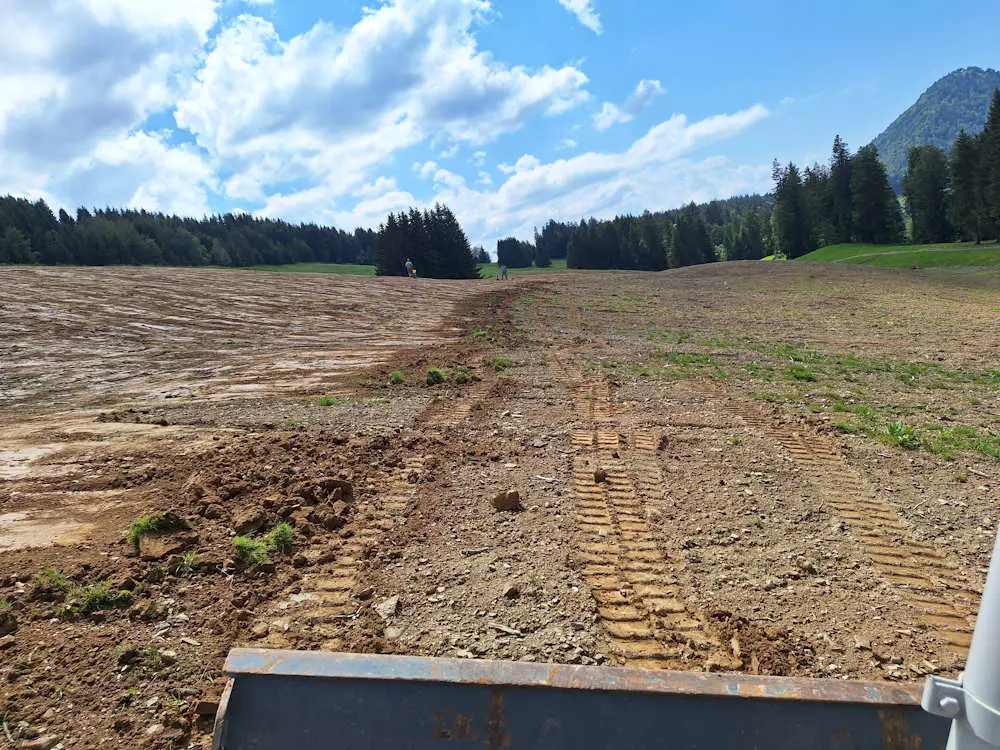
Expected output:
(783, 469)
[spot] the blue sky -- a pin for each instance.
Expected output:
(510, 111)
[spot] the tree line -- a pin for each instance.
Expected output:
(947, 197)
(31, 233)
(433, 241)
(733, 229)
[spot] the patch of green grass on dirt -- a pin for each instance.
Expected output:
(501, 363)
(250, 551)
(396, 377)
(801, 372)
(158, 523)
(683, 358)
(329, 401)
(348, 269)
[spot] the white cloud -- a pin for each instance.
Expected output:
(444, 177)
(479, 158)
(485, 178)
(585, 13)
(653, 173)
(525, 164)
(788, 100)
(609, 116)
(642, 97)
(76, 76)
(426, 169)
(141, 171)
(566, 144)
(336, 104)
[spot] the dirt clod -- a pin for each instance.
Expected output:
(509, 500)
(388, 608)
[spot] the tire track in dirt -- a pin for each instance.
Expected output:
(334, 591)
(934, 586)
(640, 601)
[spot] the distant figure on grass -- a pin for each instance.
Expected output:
(503, 273)
(409, 268)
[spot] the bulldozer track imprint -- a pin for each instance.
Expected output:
(639, 600)
(934, 587)
(328, 595)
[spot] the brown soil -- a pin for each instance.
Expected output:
(686, 501)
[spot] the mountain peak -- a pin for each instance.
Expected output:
(958, 101)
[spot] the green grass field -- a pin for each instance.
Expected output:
(343, 268)
(904, 256)
(490, 270)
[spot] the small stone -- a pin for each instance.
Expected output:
(129, 655)
(158, 546)
(250, 520)
(807, 566)
(300, 561)
(8, 623)
(771, 583)
(168, 657)
(388, 608)
(508, 501)
(260, 630)
(7, 642)
(365, 594)
(511, 592)
(862, 644)
(213, 511)
(600, 476)
(45, 742)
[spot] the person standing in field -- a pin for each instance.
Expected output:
(409, 268)
(503, 273)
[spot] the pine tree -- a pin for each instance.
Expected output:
(15, 247)
(877, 216)
(925, 187)
(541, 250)
(841, 196)
(819, 205)
(791, 213)
(963, 208)
(692, 245)
(989, 182)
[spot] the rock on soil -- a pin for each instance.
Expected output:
(388, 608)
(157, 546)
(508, 501)
(8, 624)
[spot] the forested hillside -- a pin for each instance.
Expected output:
(948, 195)
(957, 102)
(31, 233)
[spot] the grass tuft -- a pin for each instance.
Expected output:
(281, 539)
(397, 377)
(155, 524)
(436, 376)
(501, 363)
(250, 551)
(801, 372)
(901, 434)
